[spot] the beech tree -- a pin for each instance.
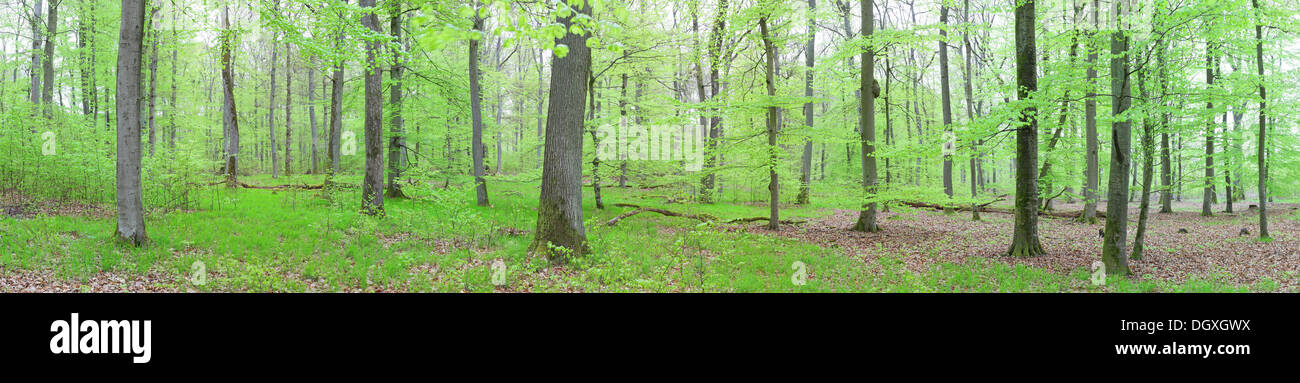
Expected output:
(1025, 238)
(130, 200)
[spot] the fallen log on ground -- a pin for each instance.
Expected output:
(637, 209)
(282, 187)
(985, 209)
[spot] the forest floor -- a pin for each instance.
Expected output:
(242, 240)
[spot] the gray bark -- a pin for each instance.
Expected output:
(372, 186)
(130, 200)
(1025, 238)
(867, 120)
(559, 213)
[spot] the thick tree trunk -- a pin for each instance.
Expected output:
(867, 119)
(476, 112)
(559, 213)
(130, 200)
(1113, 248)
(1025, 239)
(372, 187)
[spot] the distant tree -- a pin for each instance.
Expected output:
(229, 116)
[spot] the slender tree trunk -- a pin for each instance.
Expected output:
(1093, 147)
(336, 103)
(230, 118)
(1113, 248)
(708, 182)
(805, 174)
(1025, 239)
(153, 78)
(773, 184)
(1166, 162)
(397, 153)
(970, 112)
(476, 112)
(1207, 199)
(52, 30)
(311, 114)
(559, 213)
(288, 109)
(946, 96)
(1148, 167)
(270, 104)
(37, 40)
(595, 141)
(1263, 113)
(174, 107)
(130, 200)
(372, 186)
(867, 119)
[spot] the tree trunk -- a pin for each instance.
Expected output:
(153, 77)
(805, 168)
(559, 213)
(867, 119)
(130, 200)
(970, 113)
(946, 96)
(1025, 240)
(288, 109)
(35, 89)
(270, 104)
(1262, 139)
(230, 118)
(1207, 198)
(476, 112)
(397, 153)
(336, 103)
(773, 183)
(1148, 167)
(1092, 154)
(311, 114)
(1166, 162)
(372, 187)
(52, 30)
(1113, 248)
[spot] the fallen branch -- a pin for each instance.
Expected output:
(282, 187)
(637, 209)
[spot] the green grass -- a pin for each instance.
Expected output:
(298, 241)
